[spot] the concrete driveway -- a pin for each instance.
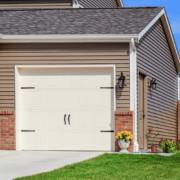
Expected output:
(15, 164)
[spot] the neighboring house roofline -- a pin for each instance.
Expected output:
(77, 5)
(163, 16)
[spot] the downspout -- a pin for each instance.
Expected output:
(136, 145)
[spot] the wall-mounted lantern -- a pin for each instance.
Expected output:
(152, 83)
(121, 80)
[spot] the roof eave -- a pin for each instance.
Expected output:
(65, 38)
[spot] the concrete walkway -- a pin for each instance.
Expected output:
(15, 164)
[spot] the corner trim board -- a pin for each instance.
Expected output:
(133, 90)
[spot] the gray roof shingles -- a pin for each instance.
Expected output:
(76, 21)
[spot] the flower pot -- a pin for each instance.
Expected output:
(153, 149)
(124, 145)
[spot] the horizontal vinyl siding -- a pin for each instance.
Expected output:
(62, 54)
(154, 58)
(23, 4)
(98, 3)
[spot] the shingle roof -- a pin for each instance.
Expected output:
(76, 21)
(98, 3)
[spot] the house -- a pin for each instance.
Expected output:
(61, 64)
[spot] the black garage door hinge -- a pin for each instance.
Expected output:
(27, 87)
(107, 87)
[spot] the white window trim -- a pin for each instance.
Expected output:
(17, 89)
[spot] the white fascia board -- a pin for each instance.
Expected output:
(163, 16)
(120, 3)
(76, 4)
(144, 31)
(67, 38)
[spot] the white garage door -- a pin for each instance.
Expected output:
(67, 109)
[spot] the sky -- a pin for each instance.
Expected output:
(172, 8)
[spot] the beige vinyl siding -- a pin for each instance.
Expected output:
(155, 59)
(62, 54)
(23, 4)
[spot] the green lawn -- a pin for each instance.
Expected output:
(117, 166)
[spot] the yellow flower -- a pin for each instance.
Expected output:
(119, 134)
(116, 137)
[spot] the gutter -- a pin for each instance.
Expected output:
(133, 91)
(68, 38)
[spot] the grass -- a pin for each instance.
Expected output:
(117, 166)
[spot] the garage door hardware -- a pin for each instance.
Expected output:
(27, 87)
(65, 119)
(107, 87)
(108, 131)
(27, 130)
(69, 118)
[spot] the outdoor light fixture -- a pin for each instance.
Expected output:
(121, 81)
(152, 83)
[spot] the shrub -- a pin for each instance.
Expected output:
(169, 146)
(151, 136)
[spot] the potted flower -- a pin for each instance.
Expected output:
(151, 138)
(124, 138)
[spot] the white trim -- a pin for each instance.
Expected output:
(17, 88)
(136, 145)
(76, 4)
(133, 91)
(68, 38)
(144, 31)
(132, 86)
(17, 109)
(120, 3)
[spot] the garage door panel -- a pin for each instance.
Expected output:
(29, 141)
(32, 120)
(101, 99)
(67, 91)
(31, 99)
(79, 119)
(101, 120)
(55, 99)
(55, 120)
(54, 81)
(55, 140)
(81, 141)
(102, 141)
(79, 99)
